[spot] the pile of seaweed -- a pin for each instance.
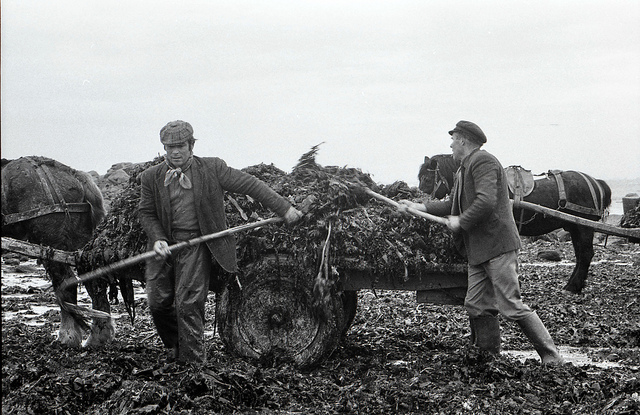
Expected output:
(360, 232)
(342, 226)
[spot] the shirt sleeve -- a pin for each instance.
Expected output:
(440, 207)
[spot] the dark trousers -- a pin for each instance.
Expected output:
(177, 292)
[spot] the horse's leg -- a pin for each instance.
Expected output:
(102, 329)
(582, 240)
(70, 333)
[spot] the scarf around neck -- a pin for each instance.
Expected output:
(178, 172)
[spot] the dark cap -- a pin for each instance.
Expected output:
(471, 130)
(176, 132)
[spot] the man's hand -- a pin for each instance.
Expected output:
(404, 205)
(453, 223)
(161, 249)
(292, 216)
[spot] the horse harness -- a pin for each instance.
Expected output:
(520, 181)
(521, 184)
(53, 194)
(598, 203)
(439, 180)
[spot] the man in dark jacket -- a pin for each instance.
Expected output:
(480, 215)
(181, 199)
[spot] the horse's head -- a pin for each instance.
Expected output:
(436, 175)
(427, 174)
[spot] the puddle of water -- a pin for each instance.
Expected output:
(550, 264)
(28, 317)
(36, 313)
(41, 309)
(572, 264)
(613, 262)
(576, 356)
(25, 282)
(16, 296)
(39, 281)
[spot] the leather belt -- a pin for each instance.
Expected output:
(182, 235)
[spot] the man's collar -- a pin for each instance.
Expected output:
(465, 161)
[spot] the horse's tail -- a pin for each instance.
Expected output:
(606, 199)
(601, 201)
(93, 196)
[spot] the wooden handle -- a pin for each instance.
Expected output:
(125, 263)
(413, 211)
(40, 251)
(597, 226)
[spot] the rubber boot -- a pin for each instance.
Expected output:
(487, 333)
(538, 335)
(472, 326)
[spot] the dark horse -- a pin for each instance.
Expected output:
(588, 197)
(48, 203)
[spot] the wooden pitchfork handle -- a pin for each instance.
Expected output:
(125, 263)
(413, 211)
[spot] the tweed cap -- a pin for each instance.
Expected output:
(471, 130)
(176, 132)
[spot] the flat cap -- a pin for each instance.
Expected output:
(176, 132)
(471, 130)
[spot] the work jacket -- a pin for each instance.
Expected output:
(210, 177)
(480, 197)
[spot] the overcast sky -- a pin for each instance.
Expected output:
(553, 84)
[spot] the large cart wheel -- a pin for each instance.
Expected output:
(272, 319)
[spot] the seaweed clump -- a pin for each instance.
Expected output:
(343, 228)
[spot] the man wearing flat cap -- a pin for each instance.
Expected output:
(181, 199)
(480, 215)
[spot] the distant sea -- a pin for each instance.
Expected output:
(619, 189)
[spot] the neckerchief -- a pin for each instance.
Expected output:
(178, 172)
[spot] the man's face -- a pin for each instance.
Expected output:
(178, 154)
(457, 146)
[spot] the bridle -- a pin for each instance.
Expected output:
(439, 181)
